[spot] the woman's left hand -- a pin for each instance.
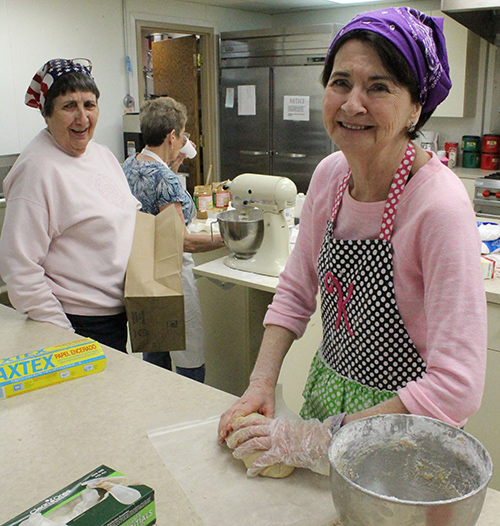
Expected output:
(175, 164)
(299, 443)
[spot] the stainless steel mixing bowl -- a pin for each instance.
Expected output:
(407, 470)
(242, 231)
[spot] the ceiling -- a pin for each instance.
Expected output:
(275, 6)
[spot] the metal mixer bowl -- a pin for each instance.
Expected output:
(407, 470)
(242, 231)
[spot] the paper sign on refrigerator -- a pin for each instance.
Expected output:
(246, 100)
(296, 108)
(229, 103)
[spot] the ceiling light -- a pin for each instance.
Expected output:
(353, 1)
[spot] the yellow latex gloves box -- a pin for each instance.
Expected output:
(27, 372)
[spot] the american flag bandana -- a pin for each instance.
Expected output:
(50, 72)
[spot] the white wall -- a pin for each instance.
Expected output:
(32, 32)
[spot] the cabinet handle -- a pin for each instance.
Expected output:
(253, 152)
(292, 155)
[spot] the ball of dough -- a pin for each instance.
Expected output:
(277, 471)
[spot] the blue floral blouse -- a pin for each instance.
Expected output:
(155, 185)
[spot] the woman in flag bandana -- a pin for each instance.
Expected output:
(389, 239)
(70, 215)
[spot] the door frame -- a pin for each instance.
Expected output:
(208, 83)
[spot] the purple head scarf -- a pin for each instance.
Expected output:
(420, 39)
(50, 72)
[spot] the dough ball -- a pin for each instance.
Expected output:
(277, 471)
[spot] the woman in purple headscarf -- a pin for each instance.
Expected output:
(70, 215)
(389, 238)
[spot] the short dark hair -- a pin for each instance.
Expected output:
(392, 60)
(69, 83)
(159, 117)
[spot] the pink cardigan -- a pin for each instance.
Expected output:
(437, 279)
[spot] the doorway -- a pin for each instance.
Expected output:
(202, 113)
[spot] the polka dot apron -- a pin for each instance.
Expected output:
(366, 354)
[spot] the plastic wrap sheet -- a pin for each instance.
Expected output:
(221, 493)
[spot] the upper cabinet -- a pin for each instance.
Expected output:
(463, 57)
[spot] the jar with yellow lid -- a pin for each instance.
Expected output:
(203, 200)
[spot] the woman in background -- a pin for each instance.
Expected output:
(70, 215)
(152, 181)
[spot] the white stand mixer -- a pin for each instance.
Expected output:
(272, 195)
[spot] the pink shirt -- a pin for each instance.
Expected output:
(68, 232)
(437, 279)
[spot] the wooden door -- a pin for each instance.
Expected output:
(175, 74)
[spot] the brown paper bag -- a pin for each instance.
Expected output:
(153, 286)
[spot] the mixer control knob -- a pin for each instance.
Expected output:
(486, 193)
(497, 195)
(245, 202)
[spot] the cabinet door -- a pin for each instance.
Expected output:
(299, 137)
(485, 424)
(463, 58)
(245, 136)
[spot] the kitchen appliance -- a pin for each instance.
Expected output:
(132, 136)
(242, 231)
(272, 195)
(399, 469)
(428, 140)
(487, 195)
(480, 16)
(270, 101)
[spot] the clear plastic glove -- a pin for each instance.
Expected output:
(299, 443)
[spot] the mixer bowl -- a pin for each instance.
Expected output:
(407, 470)
(242, 231)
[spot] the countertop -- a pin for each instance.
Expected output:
(52, 436)
(217, 270)
(55, 435)
(471, 173)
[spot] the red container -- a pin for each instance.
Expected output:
(491, 143)
(451, 149)
(490, 161)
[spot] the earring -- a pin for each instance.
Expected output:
(411, 128)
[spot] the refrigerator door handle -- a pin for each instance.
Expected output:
(253, 152)
(292, 155)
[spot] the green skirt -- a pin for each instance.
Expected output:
(327, 393)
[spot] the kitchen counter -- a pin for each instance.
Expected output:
(52, 436)
(471, 173)
(492, 288)
(55, 435)
(217, 270)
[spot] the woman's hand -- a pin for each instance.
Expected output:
(258, 398)
(175, 164)
(299, 443)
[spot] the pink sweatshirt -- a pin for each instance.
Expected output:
(68, 232)
(437, 279)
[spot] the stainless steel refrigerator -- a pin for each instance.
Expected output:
(270, 102)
